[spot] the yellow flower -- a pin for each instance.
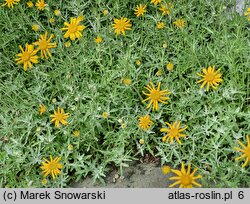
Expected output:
(165, 10)
(138, 62)
(73, 28)
(145, 122)
(105, 12)
(140, 10)
(44, 45)
(166, 169)
(30, 4)
(211, 77)
(160, 25)
(141, 141)
(41, 4)
(247, 13)
(10, 3)
(70, 147)
(59, 117)
(67, 44)
(170, 66)
(98, 39)
(81, 17)
(127, 81)
(105, 115)
(180, 23)
(76, 133)
(164, 45)
(123, 125)
(42, 109)
(120, 25)
(159, 72)
(44, 181)
(174, 132)
(155, 95)
(185, 178)
(245, 151)
(155, 2)
(36, 27)
(51, 167)
(52, 20)
(57, 12)
(27, 57)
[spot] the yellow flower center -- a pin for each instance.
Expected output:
(247, 152)
(73, 28)
(121, 25)
(186, 180)
(174, 132)
(210, 77)
(59, 116)
(155, 95)
(25, 56)
(52, 165)
(43, 44)
(10, 1)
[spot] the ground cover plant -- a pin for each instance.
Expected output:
(88, 85)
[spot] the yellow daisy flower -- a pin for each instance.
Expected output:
(155, 95)
(164, 45)
(180, 23)
(42, 109)
(57, 12)
(51, 167)
(141, 141)
(59, 117)
(76, 133)
(155, 2)
(140, 10)
(185, 178)
(105, 12)
(145, 122)
(10, 3)
(138, 62)
(44, 181)
(27, 57)
(160, 25)
(211, 77)
(52, 20)
(30, 4)
(245, 151)
(126, 81)
(166, 169)
(98, 39)
(165, 10)
(174, 132)
(73, 28)
(120, 25)
(247, 13)
(36, 27)
(105, 115)
(70, 147)
(41, 4)
(159, 73)
(170, 66)
(67, 44)
(44, 45)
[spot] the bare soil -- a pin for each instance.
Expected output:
(137, 175)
